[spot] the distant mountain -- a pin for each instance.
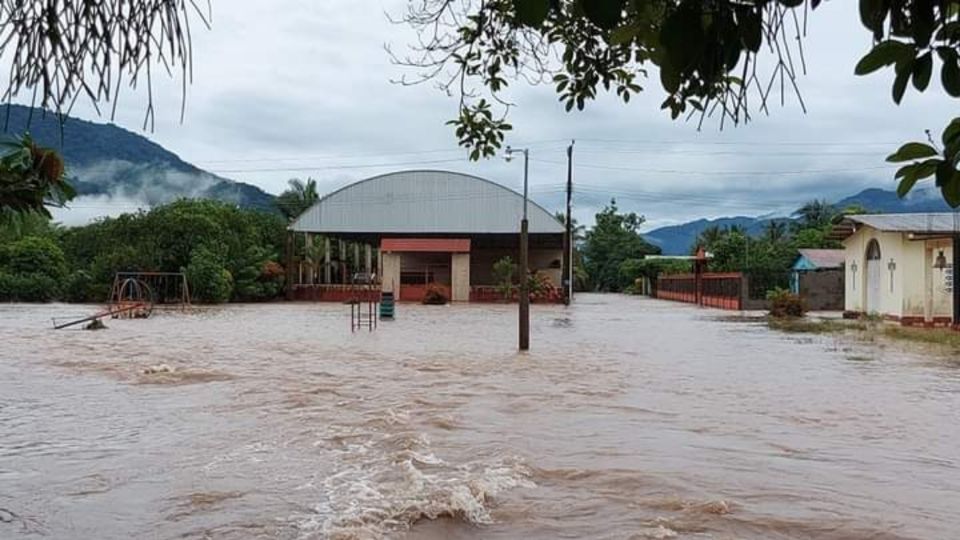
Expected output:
(887, 202)
(678, 239)
(107, 160)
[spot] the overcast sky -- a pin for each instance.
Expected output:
(297, 88)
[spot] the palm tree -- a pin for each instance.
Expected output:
(709, 237)
(579, 231)
(31, 178)
(297, 198)
(775, 230)
(816, 213)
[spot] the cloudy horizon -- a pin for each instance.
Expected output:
(298, 88)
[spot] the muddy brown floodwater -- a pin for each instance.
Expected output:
(629, 419)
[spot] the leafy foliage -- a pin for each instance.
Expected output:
(504, 272)
(31, 270)
(31, 177)
(784, 303)
(613, 240)
(228, 253)
(435, 295)
(62, 51)
(209, 279)
(708, 55)
(927, 160)
(297, 198)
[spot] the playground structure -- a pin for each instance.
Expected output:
(364, 300)
(165, 289)
(134, 295)
(131, 298)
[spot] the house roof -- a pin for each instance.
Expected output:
(424, 202)
(932, 222)
(823, 258)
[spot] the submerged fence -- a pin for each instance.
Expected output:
(719, 290)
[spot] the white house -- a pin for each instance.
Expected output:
(901, 266)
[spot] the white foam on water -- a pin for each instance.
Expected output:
(398, 481)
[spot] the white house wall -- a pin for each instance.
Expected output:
(918, 290)
(941, 291)
(910, 271)
(891, 247)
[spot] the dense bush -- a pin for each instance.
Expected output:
(209, 280)
(79, 287)
(32, 269)
(28, 288)
(542, 289)
(784, 303)
(244, 243)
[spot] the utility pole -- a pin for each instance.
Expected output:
(568, 246)
(524, 323)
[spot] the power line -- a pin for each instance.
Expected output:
(745, 143)
(338, 167)
(725, 173)
(460, 151)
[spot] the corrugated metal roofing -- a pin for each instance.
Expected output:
(823, 258)
(430, 245)
(933, 222)
(420, 202)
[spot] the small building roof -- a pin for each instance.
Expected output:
(424, 202)
(815, 259)
(931, 222)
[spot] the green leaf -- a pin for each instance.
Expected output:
(922, 69)
(883, 54)
(950, 76)
(900, 84)
(872, 15)
(669, 78)
(624, 35)
(906, 184)
(950, 186)
(952, 133)
(531, 12)
(751, 29)
(603, 13)
(945, 173)
(912, 151)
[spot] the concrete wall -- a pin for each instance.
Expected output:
(917, 290)
(822, 290)
(939, 291)
(460, 270)
(892, 246)
(390, 271)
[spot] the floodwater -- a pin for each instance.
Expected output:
(629, 419)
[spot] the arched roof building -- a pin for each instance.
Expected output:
(428, 227)
(424, 202)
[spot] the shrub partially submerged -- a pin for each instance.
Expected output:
(784, 303)
(435, 295)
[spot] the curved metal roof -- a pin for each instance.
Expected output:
(424, 202)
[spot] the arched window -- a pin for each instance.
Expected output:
(873, 251)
